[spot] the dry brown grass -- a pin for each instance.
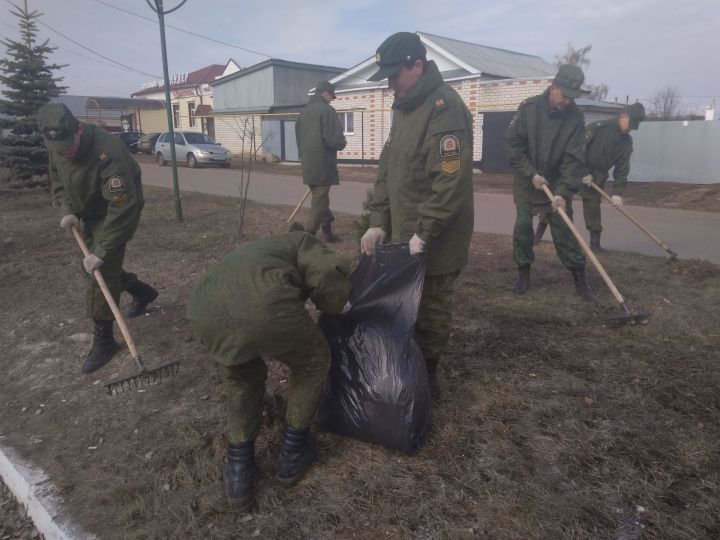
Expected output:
(551, 425)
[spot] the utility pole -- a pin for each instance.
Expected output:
(160, 10)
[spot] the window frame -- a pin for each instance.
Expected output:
(176, 115)
(191, 113)
(343, 117)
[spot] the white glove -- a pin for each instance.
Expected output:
(70, 221)
(538, 181)
(91, 263)
(371, 237)
(347, 307)
(558, 202)
(587, 180)
(417, 245)
(617, 201)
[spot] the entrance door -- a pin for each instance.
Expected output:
(493, 146)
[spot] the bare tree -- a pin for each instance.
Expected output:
(574, 56)
(598, 92)
(666, 103)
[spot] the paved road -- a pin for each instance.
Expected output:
(692, 234)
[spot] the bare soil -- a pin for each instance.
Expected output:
(686, 196)
(551, 425)
(14, 522)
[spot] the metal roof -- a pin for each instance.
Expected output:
(94, 102)
(275, 62)
(494, 61)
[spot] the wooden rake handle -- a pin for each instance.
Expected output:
(297, 208)
(111, 302)
(586, 249)
(636, 222)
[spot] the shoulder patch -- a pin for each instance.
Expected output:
(116, 184)
(449, 146)
(440, 102)
(451, 166)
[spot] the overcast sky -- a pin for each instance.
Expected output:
(639, 46)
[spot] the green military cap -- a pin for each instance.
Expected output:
(57, 125)
(569, 79)
(636, 113)
(398, 48)
(325, 86)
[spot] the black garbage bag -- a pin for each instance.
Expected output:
(377, 389)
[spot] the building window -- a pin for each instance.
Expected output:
(176, 115)
(347, 121)
(191, 114)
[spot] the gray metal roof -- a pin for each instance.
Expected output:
(493, 61)
(276, 62)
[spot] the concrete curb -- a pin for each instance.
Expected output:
(32, 487)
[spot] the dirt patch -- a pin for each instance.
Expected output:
(551, 425)
(14, 523)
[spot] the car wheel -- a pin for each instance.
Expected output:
(192, 161)
(160, 159)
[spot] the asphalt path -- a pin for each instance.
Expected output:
(690, 233)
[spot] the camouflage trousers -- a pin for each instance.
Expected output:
(434, 322)
(117, 279)
(320, 213)
(591, 209)
(245, 387)
(567, 247)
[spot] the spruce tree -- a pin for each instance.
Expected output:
(29, 84)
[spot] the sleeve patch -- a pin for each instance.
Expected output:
(118, 201)
(450, 166)
(116, 184)
(449, 146)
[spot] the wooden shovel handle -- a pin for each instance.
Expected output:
(636, 222)
(111, 302)
(586, 249)
(297, 208)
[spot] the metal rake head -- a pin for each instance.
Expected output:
(627, 317)
(145, 378)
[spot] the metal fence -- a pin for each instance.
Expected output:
(676, 151)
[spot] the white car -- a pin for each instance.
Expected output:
(193, 148)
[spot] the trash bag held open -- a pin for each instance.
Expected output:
(377, 388)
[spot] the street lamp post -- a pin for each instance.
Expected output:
(160, 10)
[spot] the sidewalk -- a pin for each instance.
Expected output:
(692, 234)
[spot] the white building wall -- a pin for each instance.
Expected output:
(234, 132)
(479, 96)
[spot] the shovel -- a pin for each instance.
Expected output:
(297, 208)
(144, 376)
(619, 319)
(654, 238)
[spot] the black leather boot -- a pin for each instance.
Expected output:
(239, 473)
(143, 294)
(103, 348)
(432, 369)
(582, 287)
(328, 234)
(540, 231)
(522, 284)
(297, 453)
(595, 241)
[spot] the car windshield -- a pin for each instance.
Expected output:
(198, 138)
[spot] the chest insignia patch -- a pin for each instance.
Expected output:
(116, 184)
(449, 146)
(102, 156)
(450, 166)
(440, 102)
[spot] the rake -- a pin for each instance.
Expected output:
(144, 377)
(616, 320)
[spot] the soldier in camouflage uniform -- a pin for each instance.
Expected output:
(545, 146)
(609, 145)
(97, 183)
(319, 138)
(252, 305)
(423, 193)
